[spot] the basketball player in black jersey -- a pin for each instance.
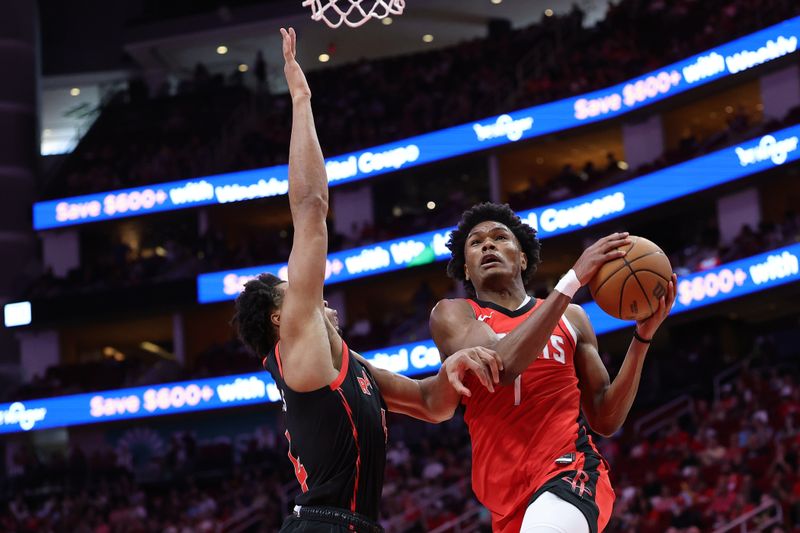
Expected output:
(333, 399)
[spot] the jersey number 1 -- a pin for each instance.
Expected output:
(518, 390)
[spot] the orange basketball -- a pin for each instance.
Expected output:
(631, 286)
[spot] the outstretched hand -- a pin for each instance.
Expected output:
(647, 327)
(483, 362)
(295, 78)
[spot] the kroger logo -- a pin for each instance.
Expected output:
(504, 126)
(768, 148)
(16, 414)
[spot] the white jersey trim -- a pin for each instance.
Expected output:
(571, 330)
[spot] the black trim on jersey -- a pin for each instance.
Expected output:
(508, 312)
(581, 494)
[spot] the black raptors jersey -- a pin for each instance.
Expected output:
(337, 437)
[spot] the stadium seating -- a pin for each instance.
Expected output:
(713, 441)
(140, 140)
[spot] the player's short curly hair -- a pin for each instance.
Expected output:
(254, 305)
(502, 213)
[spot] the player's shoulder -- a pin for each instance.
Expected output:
(579, 319)
(575, 310)
(450, 310)
(452, 305)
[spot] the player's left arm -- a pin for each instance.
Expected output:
(435, 398)
(606, 404)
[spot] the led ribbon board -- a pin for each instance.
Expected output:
(646, 191)
(736, 56)
(182, 397)
(733, 280)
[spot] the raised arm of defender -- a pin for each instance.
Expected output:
(305, 348)
(454, 325)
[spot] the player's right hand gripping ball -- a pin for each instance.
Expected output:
(631, 286)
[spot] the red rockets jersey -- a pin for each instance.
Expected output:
(525, 434)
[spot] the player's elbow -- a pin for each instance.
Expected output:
(442, 415)
(312, 203)
(606, 432)
(604, 428)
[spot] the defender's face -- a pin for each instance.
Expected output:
(275, 316)
(492, 253)
(331, 315)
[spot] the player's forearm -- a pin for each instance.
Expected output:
(439, 398)
(522, 346)
(432, 399)
(613, 405)
(308, 181)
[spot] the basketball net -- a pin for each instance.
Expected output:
(351, 12)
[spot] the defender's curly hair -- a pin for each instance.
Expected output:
(254, 305)
(502, 213)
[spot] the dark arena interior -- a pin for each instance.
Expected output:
(146, 177)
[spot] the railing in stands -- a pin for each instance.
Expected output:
(424, 495)
(728, 375)
(465, 523)
(761, 518)
(245, 519)
(251, 516)
(664, 416)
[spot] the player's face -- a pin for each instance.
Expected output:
(492, 254)
(332, 316)
(275, 317)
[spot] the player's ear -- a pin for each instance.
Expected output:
(523, 261)
(275, 318)
(466, 272)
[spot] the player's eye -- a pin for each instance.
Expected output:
(474, 242)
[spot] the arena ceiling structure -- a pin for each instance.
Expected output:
(91, 47)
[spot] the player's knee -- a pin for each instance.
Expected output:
(551, 514)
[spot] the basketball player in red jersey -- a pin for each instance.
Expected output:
(534, 465)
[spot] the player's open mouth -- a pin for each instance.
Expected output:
(490, 259)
